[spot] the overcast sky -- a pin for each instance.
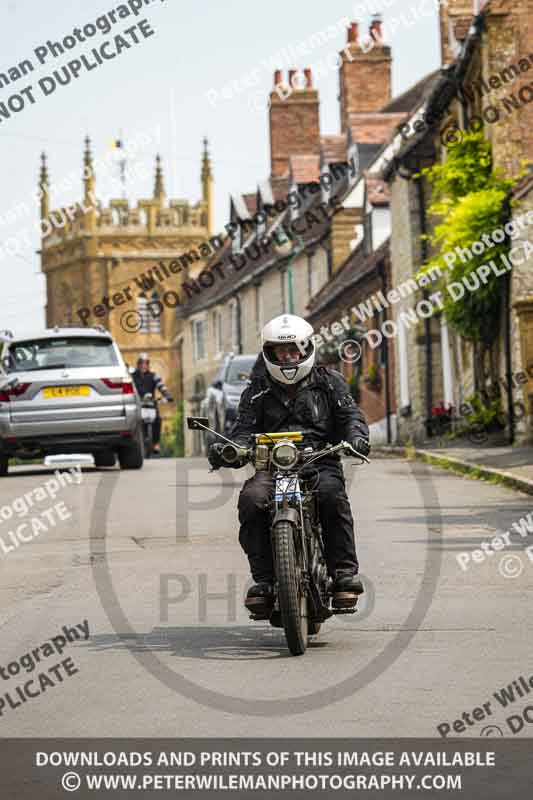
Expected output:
(163, 82)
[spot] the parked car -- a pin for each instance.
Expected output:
(71, 393)
(223, 395)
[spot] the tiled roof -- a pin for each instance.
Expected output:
(356, 267)
(334, 148)
(258, 261)
(305, 168)
(374, 128)
(251, 202)
(280, 187)
(410, 99)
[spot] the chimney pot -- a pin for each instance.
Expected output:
(308, 78)
(375, 29)
(353, 32)
(292, 73)
(277, 77)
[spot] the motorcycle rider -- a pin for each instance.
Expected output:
(293, 394)
(148, 382)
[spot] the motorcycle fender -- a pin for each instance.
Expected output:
(286, 514)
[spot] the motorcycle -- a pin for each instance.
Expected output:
(303, 591)
(149, 414)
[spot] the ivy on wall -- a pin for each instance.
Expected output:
(468, 200)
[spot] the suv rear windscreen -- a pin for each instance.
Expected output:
(239, 370)
(61, 353)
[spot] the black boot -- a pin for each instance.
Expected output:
(346, 590)
(260, 599)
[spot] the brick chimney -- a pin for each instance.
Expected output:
(294, 119)
(455, 17)
(365, 77)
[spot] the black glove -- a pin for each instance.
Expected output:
(214, 455)
(361, 445)
(170, 399)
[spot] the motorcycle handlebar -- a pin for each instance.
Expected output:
(232, 453)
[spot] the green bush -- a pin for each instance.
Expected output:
(173, 445)
(468, 200)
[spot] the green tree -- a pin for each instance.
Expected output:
(173, 445)
(468, 200)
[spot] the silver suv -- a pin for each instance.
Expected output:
(68, 390)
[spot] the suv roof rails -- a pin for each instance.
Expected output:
(101, 328)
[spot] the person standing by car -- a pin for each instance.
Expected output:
(148, 382)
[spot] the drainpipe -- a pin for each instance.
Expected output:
(239, 324)
(385, 345)
(427, 321)
(508, 348)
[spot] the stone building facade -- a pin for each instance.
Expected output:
(315, 167)
(92, 252)
(484, 86)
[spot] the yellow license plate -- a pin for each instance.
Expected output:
(66, 391)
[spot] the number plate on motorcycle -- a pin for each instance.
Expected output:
(148, 414)
(287, 487)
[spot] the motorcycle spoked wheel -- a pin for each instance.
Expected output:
(292, 602)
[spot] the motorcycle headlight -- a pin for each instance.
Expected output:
(284, 455)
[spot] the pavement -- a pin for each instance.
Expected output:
(508, 465)
(150, 559)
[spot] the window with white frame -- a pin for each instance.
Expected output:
(261, 218)
(149, 310)
(154, 314)
(142, 310)
(353, 161)
(237, 240)
(234, 326)
(258, 305)
(199, 340)
(312, 276)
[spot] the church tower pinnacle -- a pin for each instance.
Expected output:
(207, 186)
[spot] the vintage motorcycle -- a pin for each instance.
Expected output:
(303, 590)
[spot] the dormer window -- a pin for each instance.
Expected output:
(353, 163)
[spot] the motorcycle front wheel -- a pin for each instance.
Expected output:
(292, 602)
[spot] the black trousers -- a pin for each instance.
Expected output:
(335, 517)
(156, 429)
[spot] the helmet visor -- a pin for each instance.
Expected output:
(284, 354)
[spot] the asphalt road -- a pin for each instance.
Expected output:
(144, 552)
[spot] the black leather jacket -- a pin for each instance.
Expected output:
(148, 383)
(323, 406)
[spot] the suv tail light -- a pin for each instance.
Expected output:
(126, 385)
(13, 391)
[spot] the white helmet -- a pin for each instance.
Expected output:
(288, 330)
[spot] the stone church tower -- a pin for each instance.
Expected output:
(90, 252)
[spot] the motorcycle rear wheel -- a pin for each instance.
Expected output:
(292, 603)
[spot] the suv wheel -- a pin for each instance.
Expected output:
(131, 456)
(4, 466)
(104, 458)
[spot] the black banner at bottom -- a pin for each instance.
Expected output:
(321, 768)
